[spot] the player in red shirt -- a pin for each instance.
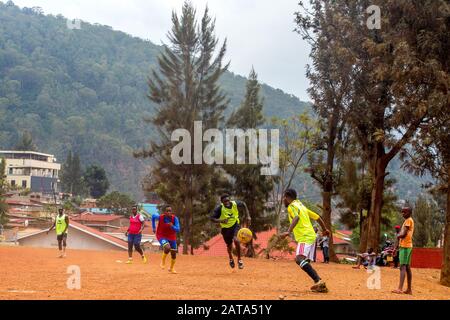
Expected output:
(134, 235)
(166, 233)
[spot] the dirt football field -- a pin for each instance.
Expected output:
(35, 274)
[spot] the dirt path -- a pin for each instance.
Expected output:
(29, 273)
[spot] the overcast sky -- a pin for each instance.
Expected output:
(259, 32)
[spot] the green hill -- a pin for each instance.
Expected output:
(86, 89)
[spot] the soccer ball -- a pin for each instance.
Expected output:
(245, 235)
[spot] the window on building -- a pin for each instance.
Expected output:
(10, 170)
(13, 183)
(24, 184)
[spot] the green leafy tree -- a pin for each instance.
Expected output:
(96, 181)
(117, 202)
(248, 184)
(385, 111)
(186, 89)
(297, 134)
(330, 89)
(432, 154)
(26, 143)
(429, 223)
(3, 205)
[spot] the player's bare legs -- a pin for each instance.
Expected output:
(409, 280)
(304, 263)
(230, 255)
(237, 244)
(166, 251)
(403, 272)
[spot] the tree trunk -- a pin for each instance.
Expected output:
(326, 198)
(374, 218)
(278, 208)
(445, 272)
(186, 231)
(362, 232)
(187, 224)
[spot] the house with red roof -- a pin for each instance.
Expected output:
(103, 223)
(80, 237)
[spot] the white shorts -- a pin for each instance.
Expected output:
(306, 250)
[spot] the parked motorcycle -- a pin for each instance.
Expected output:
(387, 254)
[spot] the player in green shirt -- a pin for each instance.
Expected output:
(227, 215)
(304, 234)
(61, 224)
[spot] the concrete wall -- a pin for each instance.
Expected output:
(76, 240)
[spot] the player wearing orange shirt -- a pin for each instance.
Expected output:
(405, 251)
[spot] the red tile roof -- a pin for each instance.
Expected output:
(342, 237)
(99, 234)
(96, 218)
(147, 230)
(93, 232)
(345, 232)
(17, 210)
(337, 240)
(21, 203)
(216, 246)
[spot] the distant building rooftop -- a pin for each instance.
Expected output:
(87, 217)
(150, 208)
(31, 155)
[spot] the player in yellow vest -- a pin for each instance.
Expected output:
(227, 215)
(304, 234)
(61, 224)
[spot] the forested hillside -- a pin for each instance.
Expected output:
(85, 91)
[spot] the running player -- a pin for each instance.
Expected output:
(166, 233)
(227, 214)
(61, 224)
(301, 226)
(134, 235)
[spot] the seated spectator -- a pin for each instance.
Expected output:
(366, 259)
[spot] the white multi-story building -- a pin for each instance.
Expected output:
(36, 171)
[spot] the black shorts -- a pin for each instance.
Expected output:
(230, 233)
(62, 237)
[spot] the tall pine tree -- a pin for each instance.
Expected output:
(249, 185)
(186, 90)
(72, 175)
(96, 181)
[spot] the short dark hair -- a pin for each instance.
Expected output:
(291, 193)
(167, 206)
(134, 207)
(61, 210)
(407, 209)
(226, 195)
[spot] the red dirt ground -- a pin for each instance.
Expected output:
(36, 274)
